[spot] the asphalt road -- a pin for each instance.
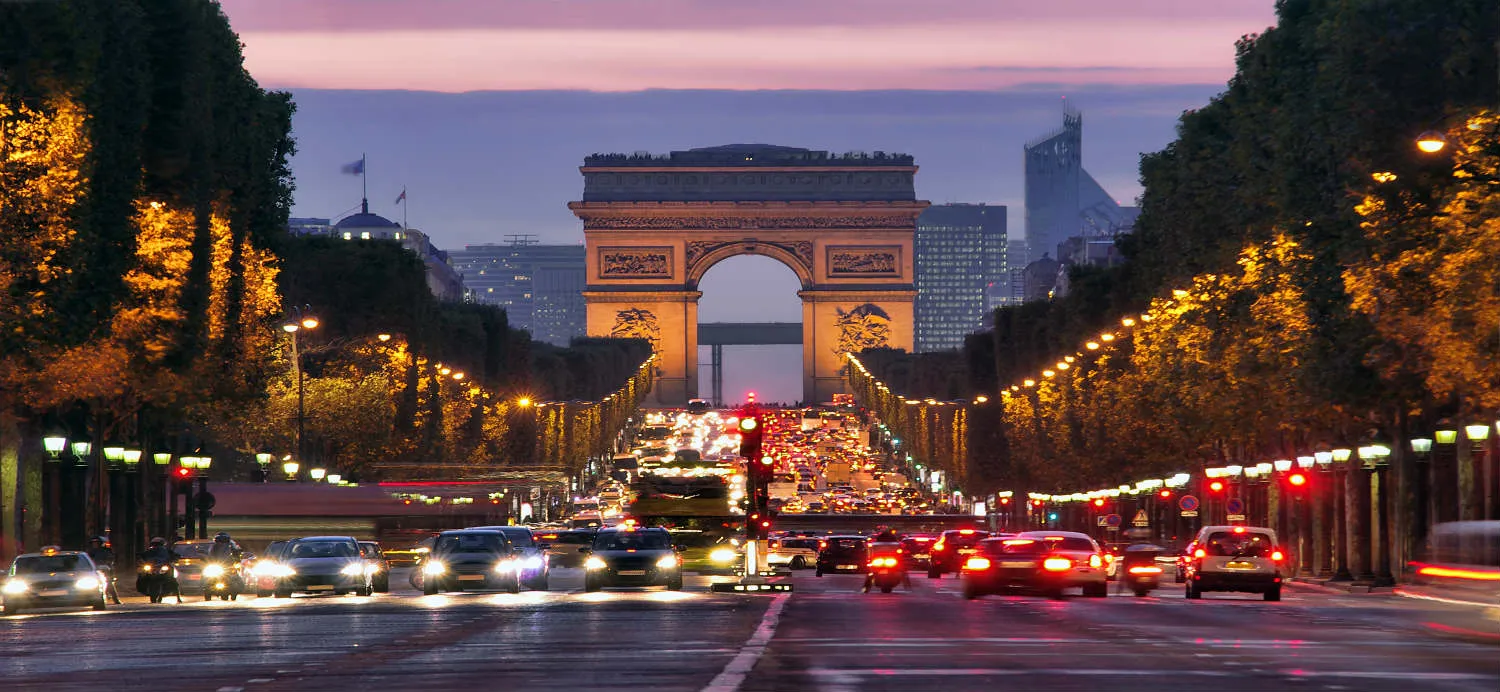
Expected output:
(826, 636)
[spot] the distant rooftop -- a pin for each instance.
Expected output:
(751, 155)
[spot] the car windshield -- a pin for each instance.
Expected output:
(314, 549)
(520, 538)
(471, 543)
(275, 549)
(192, 550)
(622, 540)
(579, 538)
(1070, 543)
(1014, 546)
(40, 564)
(695, 539)
(965, 540)
(846, 544)
(1229, 544)
(807, 543)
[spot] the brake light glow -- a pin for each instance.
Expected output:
(883, 562)
(1018, 541)
(1145, 570)
(977, 563)
(1277, 556)
(938, 546)
(1239, 529)
(1435, 571)
(1094, 561)
(966, 532)
(1199, 553)
(1057, 564)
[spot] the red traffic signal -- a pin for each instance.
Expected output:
(1004, 500)
(1297, 480)
(1165, 494)
(1216, 486)
(1099, 502)
(183, 473)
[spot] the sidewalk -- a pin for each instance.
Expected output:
(1329, 585)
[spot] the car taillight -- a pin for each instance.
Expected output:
(1057, 564)
(1145, 570)
(977, 563)
(1199, 553)
(1094, 561)
(883, 562)
(1277, 556)
(938, 547)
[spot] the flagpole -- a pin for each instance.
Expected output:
(364, 181)
(404, 204)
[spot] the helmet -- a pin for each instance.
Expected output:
(158, 540)
(221, 537)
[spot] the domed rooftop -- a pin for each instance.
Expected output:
(365, 220)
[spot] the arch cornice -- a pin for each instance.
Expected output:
(796, 255)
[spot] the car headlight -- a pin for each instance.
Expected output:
(594, 563)
(722, 555)
(87, 584)
(668, 562)
(15, 586)
(213, 571)
(505, 566)
(283, 571)
(353, 569)
(533, 562)
(433, 567)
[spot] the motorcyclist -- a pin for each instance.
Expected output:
(104, 558)
(224, 549)
(887, 543)
(157, 551)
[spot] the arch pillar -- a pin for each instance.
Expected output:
(666, 318)
(835, 321)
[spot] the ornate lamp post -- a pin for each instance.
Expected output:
(1340, 490)
(290, 468)
(297, 321)
(317, 474)
(55, 443)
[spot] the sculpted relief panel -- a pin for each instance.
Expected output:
(635, 263)
(853, 262)
(637, 324)
(864, 326)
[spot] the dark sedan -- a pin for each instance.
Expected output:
(633, 557)
(535, 568)
(471, 559)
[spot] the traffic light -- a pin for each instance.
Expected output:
(1216, 486)
(751, 433)
(1296, 480)
(1165, 494)
(753, 527)
(1099, 502)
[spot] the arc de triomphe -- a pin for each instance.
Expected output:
(654, 225)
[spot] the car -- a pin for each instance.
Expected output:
(267, 568)
(380, 568)
(471, 558)
(633, 557)
(192, 557)
(917, 549)
(412, 554)
(52, 578)
(707, 552)
(1044, 561)
(796, 552)
(1235, 558)
(951, 549)
(535, 570)
(565, 548)
(322, 564)
(844, 554)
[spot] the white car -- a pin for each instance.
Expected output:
(1235, 558)
(795, 552)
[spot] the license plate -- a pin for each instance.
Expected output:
(632, 573)
(1240, 565)
(967, 551)
(194, 577)
(471, 577)
(1015, 564)
(921, 556)
(848, 567)
(52, 593)
(320, 587)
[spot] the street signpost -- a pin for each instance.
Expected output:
(1235, 508)
(1189, 505)
(1113, 522)
(1140, 520)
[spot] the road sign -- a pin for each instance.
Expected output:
(1187, 503)
(1236, 517)
(1102, 520)
(1113, 521)
(1235, 506)
(1189, 512)
(1140, 519)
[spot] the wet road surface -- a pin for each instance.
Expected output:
(826, 636)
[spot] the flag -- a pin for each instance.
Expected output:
(356, 168)
(401, 198)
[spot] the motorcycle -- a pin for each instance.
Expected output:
(157, 579)
(886, 572)
(222, 580)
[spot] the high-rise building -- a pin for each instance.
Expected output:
(540, 286)
(1062, 200)
(961, 274)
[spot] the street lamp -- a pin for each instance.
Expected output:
(81, 450)
(317, 474)
(114, 453)
(335, 478)
(1431, 142)
(290, 469)
(1324, 461)
(1283, 465)
(299, 319)
(54, 444)
(132, 458)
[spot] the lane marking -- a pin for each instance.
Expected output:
(846, 673)
(734, 673)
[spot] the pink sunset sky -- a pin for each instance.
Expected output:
(626, 45)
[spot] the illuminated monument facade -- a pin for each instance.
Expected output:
(844, 224)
